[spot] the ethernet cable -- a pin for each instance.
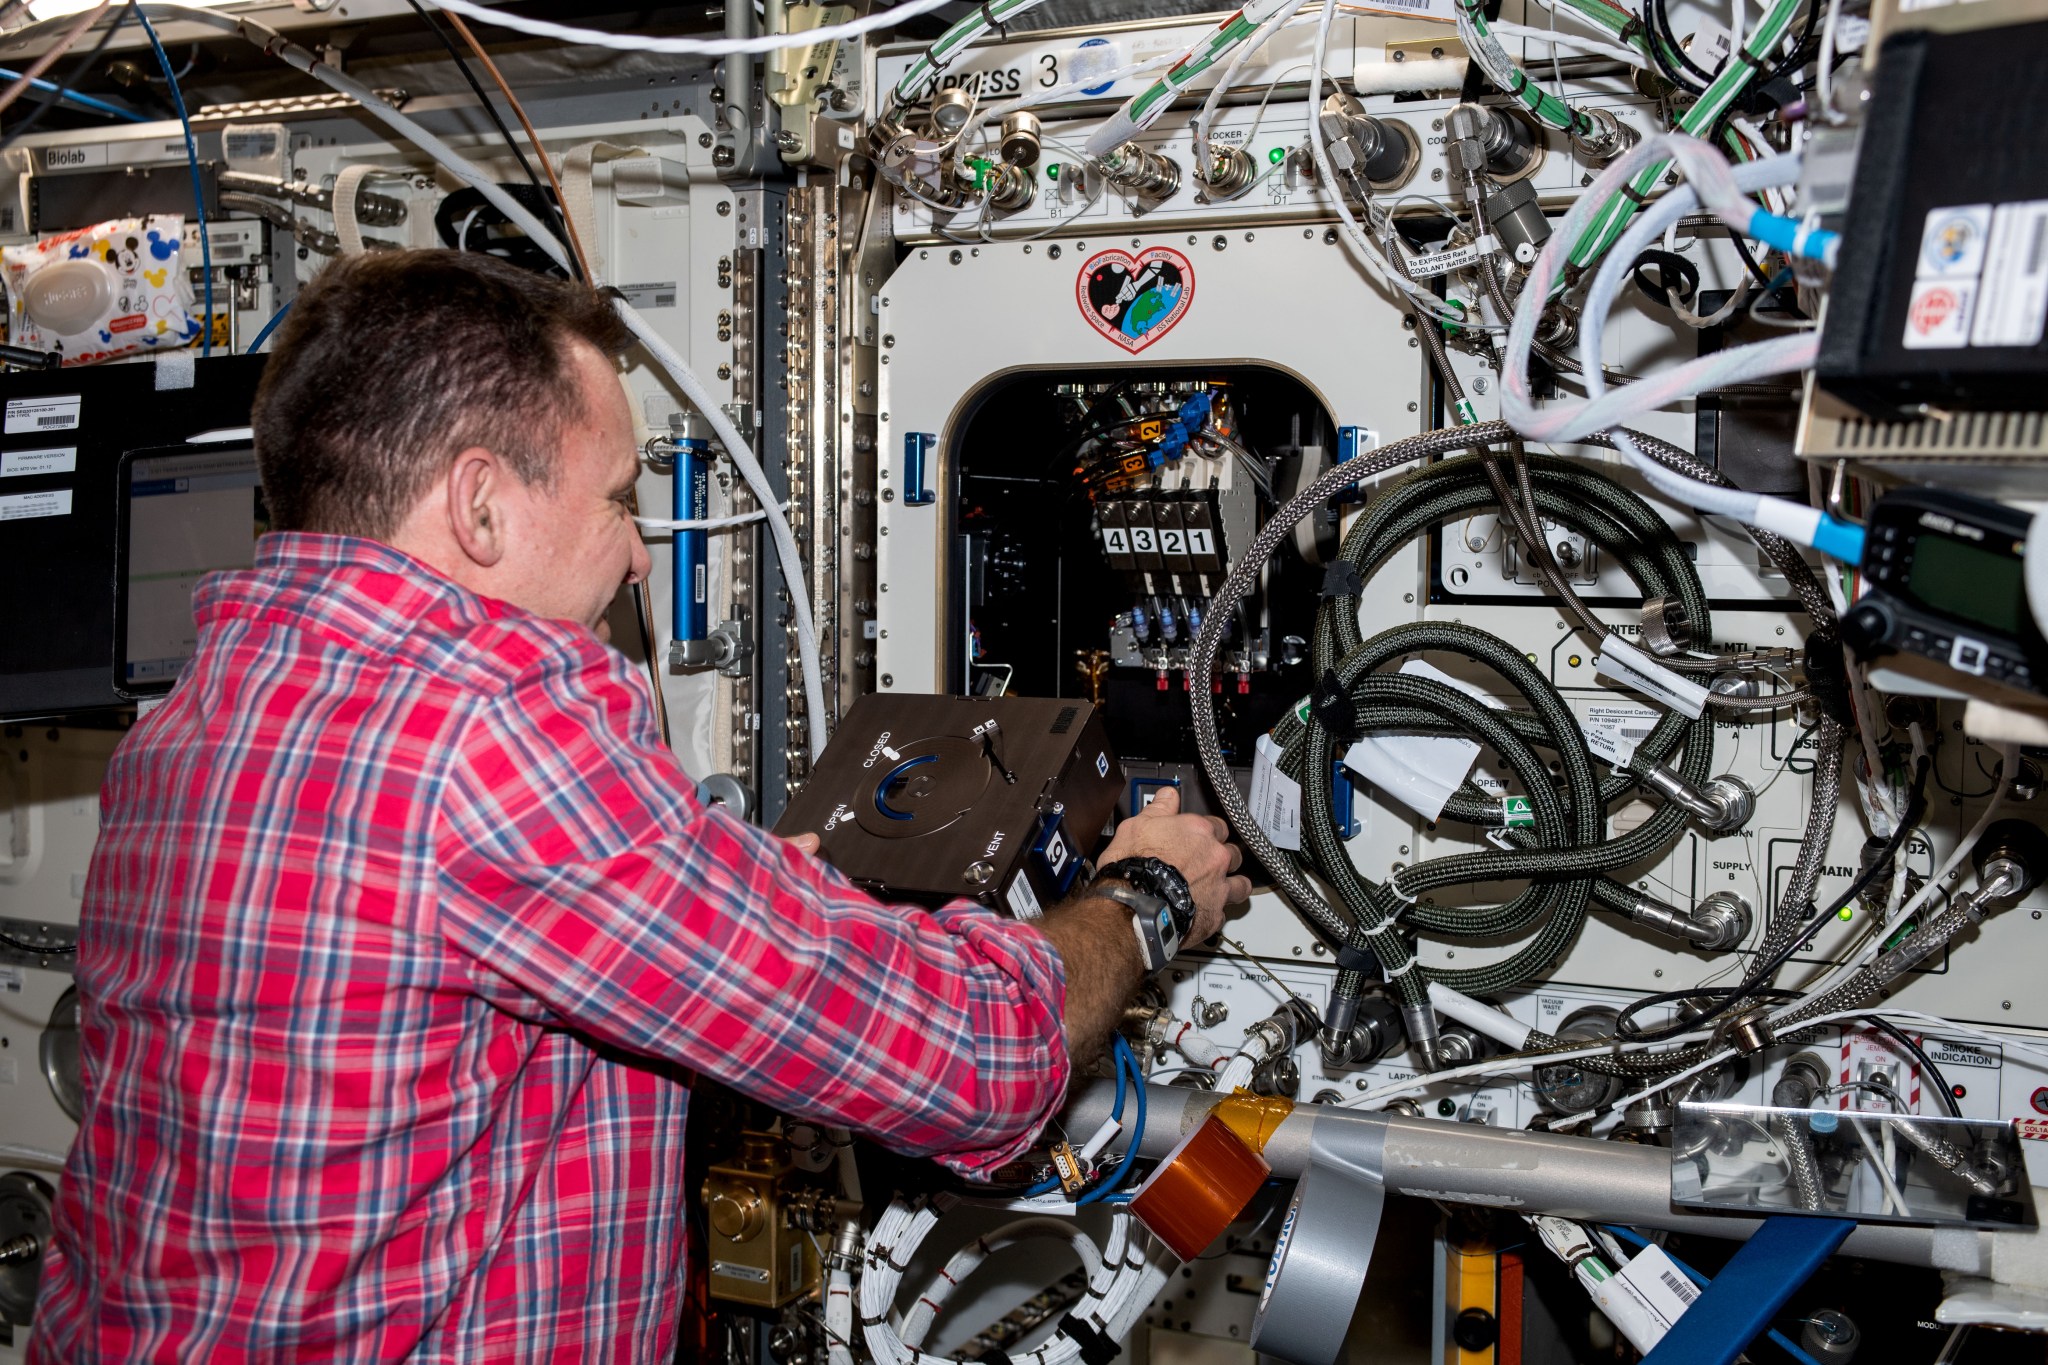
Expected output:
(665, 355)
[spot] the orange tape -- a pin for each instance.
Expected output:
(1254, 1118)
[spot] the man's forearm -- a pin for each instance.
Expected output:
(1099, 950)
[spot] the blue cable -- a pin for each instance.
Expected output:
(1630, 1235)
(98, 106)
(198, 185)
(268, 328)
(1050, 1183)
(1102, 1191)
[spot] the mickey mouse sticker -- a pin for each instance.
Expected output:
(1135, 300)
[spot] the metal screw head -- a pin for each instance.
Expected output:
(722, 156)
(1413, 406)
(955, 258)
(1053, 251)
(725, 371)
(1220, 241)
(725, 208)
(978, 872)
(888, 680)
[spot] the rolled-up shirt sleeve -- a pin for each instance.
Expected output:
(584, 885)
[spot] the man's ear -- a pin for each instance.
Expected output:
(476, 483)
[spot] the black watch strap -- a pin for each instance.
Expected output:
(1156, 878)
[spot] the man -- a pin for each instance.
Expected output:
(403, 926)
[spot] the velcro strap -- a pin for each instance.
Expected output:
(1331, 706)
(1341, 579)
(1096, 1347)
(1359, 960)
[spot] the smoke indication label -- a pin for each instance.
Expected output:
(1135, 300)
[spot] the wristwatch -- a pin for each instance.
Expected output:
(1162, 907)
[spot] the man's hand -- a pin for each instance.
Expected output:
(1197, 846)
(805, 843)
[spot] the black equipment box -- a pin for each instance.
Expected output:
(1941, 289)
(60, 455)
(933, 798)
(1946, 584)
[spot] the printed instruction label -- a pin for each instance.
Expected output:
(1614, 730)
(1023, 901)
(1981, 278)
(658, 295)
(1276, 797)
(28, 415)
(1457, 258)
(16, 464)
(22, 506)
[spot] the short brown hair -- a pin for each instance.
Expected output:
(392, 363)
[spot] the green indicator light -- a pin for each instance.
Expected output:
(1052, 171)
(1845, 914)
(1276, 156)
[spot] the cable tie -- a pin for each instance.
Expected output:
(1096, 1348)
(1393, 884)
(1750, 60)
(1403, 970)
(988, 17)
(1630, 193)
(1383, 925)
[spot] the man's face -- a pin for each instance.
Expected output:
(574, 544)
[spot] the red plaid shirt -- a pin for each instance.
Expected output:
(401, 930)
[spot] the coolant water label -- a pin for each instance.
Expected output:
(1622, 663)
(1276, 797)
(1456, 258)
(26, 416)
(24, 506)
(15, 464)
(2012, 300)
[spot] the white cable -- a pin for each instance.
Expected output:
(34, 1156)
(1578, 41)
(702, 47)
(1823, 76)
(1415, 1085)
(1279, 20)
(700, 524)
(736, 446)
(1895, 1201)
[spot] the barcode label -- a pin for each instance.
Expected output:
(1441, 10)
(59, 413)
(2012, 301)
(661, 294)
(1679, 1285)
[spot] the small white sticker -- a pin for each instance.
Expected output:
(1851, 34)
(10, 979)
(1022, 899)
(22, 506)
(2013, 296)
(1276, 797)
(661, 294)
(15, 464)
(1952, 242)
(75, 158)
(1457, 258)
(1442, 11)
(1938, 318)
(28, 415)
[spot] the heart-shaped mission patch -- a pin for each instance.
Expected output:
(1135, 300)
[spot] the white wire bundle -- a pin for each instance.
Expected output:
(736, 445)
(1123, 1280)
(931, 1300)
(703, 47)
(1279, 20)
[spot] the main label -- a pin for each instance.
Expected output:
(1135, 300)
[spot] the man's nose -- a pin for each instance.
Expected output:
(642, 562)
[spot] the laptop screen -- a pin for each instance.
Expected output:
(186, 512)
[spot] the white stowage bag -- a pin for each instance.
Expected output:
(113, 289)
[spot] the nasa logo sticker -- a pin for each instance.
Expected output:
(1135, 300)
